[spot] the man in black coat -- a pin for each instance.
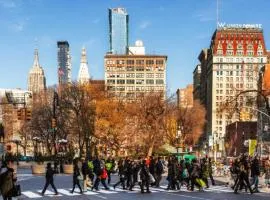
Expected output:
(255, 173)
(49, 179)
(144, 177)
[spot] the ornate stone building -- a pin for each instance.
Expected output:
(83, 76)
(36, 78)
(229, 66)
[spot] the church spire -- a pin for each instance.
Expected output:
(83, 76)
(83, 56)
(36, 59)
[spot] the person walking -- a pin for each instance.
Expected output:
(243, 175)
(49, 179)
(85, 173)
(76, 174)
(97, 171)
(204, 171)
(122, 175)
(159, 171)
(6, 181)
(210, 171)
(103, 177)
(144, 175)
(255, 173)
(109, 167)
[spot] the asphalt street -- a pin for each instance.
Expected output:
(32, 185)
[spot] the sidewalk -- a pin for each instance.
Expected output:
(227, 180)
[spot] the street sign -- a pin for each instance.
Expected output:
(2, 149)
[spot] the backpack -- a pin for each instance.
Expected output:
(185, 173)
(90, 165)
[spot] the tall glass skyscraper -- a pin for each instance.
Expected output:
(64, 62)
(118, 30)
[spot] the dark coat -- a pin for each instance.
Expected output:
(255, 168)
(49, 174)
(7, 181)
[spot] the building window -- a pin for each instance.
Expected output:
(120, 81)
(149, 75)
(111, 81)
(139, 81)
(159, 75)
(139, 68)
(130, 62)
(159, 62)
(130, 81)
(130, 75)
(159, 81)
(149, 62)
(130, 68)
(149, 81)
(139, 62)
(140, 75)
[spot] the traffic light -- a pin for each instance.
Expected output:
(19, 114)
(244, 116)
(53, 122)
(28, 114)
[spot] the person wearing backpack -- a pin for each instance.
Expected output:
(91, 170)
(159, 171)
(109, 168)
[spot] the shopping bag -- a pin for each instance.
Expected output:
(16, 191)
(200, 182)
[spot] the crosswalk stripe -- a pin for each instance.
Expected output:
(65, 192)
(31, 195)
(50, 193)
(106, 191)
(136, 189)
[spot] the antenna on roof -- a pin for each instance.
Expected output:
(217, 12)
(36, 43)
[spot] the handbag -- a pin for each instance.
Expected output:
(16, 190)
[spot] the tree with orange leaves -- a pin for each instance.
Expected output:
(191, 121)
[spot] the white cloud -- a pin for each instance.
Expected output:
(145, 24)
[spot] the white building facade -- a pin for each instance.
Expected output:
(83, 76)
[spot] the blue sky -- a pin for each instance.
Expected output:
(177, 28)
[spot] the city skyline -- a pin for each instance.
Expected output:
(177, 30)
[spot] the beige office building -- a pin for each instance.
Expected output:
(128, 76)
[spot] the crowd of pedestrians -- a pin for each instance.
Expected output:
(147, 173)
